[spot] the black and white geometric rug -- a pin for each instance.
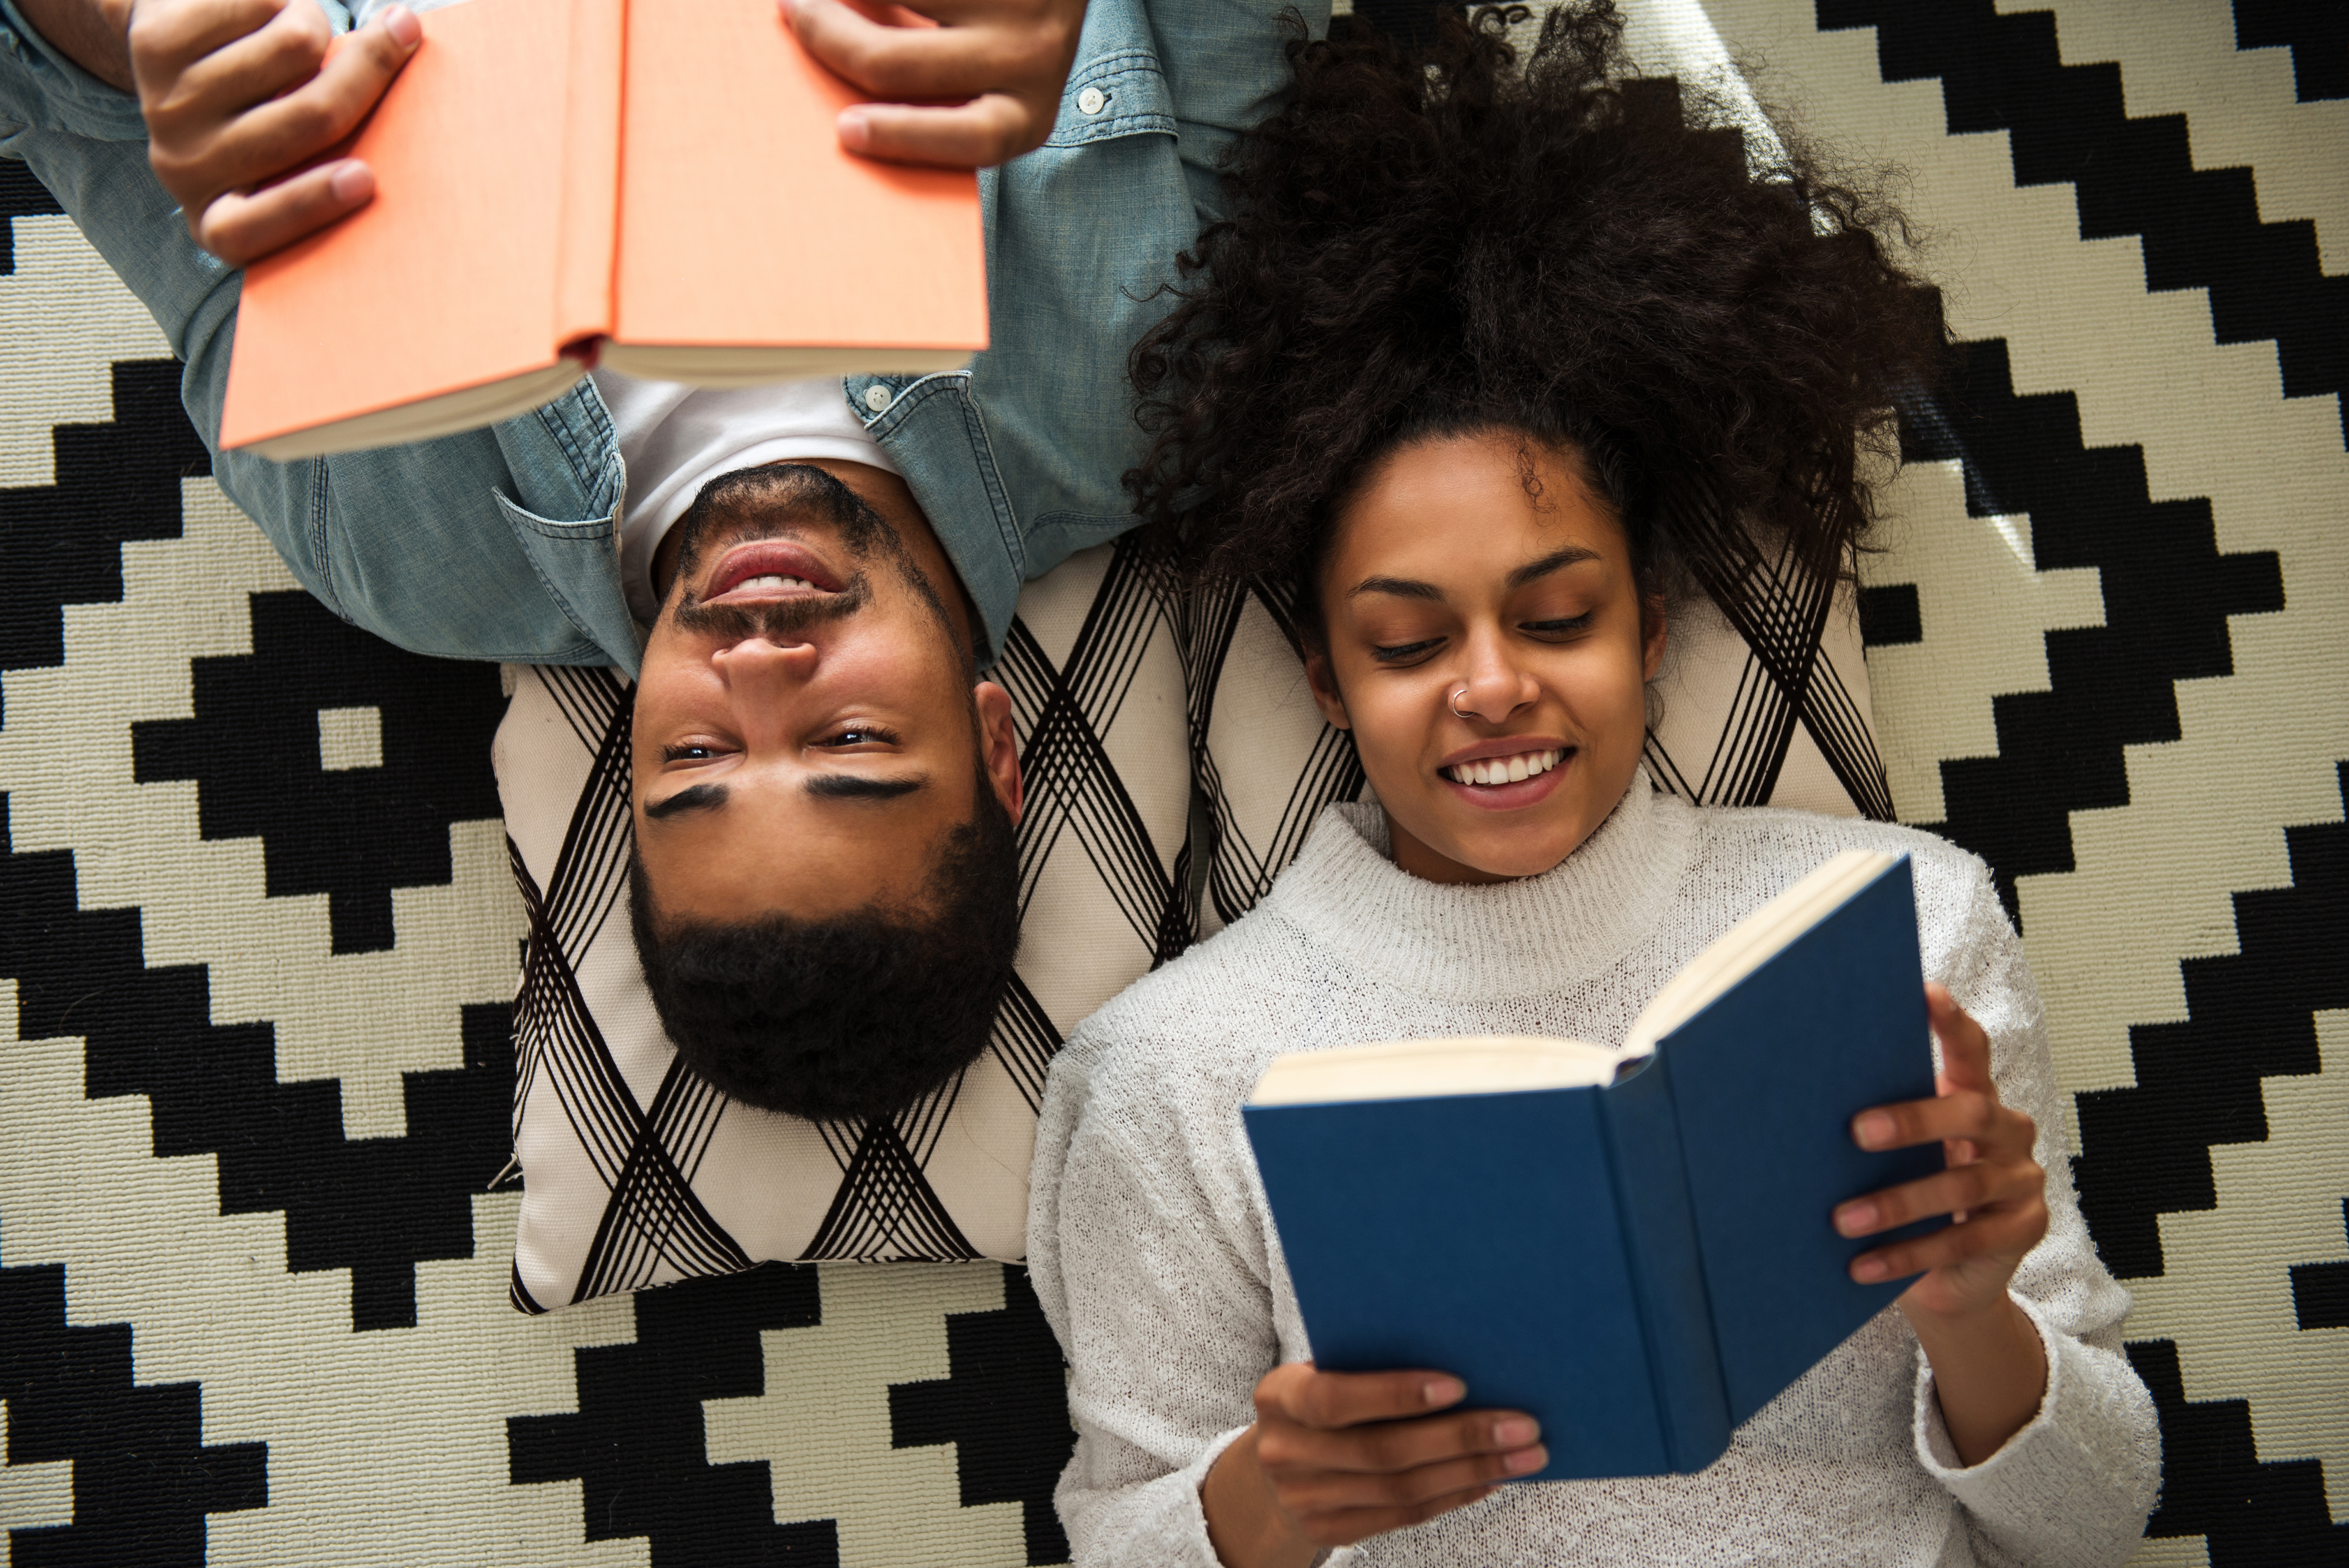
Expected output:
(257, 925)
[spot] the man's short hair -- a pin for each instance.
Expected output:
(860, 1014)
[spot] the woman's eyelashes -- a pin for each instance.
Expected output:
(691, 751)
(1557, 629)
(1566, 627)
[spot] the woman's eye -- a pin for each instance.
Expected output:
(688, 753)
(1402, 651)
(860, 734)
(1558, 628)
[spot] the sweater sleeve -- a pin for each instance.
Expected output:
(2074, 1485)
(1155, 1279)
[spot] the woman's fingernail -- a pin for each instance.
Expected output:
(1524, 1460)
(1514, 1431)
(401, 24)
(353, 182)
(855, 129)
(1855, 1219)
(1439, 1391)
(1868, 1268)
(1872, 1130)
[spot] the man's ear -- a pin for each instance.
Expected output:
(1652, 636)
(1324, 686)
(998, 746)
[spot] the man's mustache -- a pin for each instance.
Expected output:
(778, 619)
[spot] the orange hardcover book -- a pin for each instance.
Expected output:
(656, 184)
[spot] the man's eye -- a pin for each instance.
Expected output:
(860, 734)
(688, 753)
(1402, 652)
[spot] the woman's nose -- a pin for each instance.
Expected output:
(1492, 689)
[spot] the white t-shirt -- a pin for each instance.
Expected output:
(676, 438)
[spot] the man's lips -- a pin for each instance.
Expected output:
(736, 579)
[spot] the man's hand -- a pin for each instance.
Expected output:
(990, 79)
(238, 92)
(1335, 1458)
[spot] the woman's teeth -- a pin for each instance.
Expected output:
(774, 580)
(1505, 770)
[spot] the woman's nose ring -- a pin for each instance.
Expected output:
(1454, 704)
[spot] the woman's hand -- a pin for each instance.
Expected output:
(1337, 1457)
(983, 88)
(236, 93)
(1989, 1365)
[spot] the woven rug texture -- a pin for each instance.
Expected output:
(258, 942)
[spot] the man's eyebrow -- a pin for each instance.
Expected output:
(855, 786)
(699, 797)
(1400, 587)
(1548, 564)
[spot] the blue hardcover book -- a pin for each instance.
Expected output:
(1633, 1246)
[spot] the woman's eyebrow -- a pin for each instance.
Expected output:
(1532, 570)
(1400, 587)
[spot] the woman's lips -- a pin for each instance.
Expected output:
(1516, 794)
(768, 569)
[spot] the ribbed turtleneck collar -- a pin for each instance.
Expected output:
(1492, 940)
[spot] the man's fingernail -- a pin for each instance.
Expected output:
(1514, 1431)
(1868, 1268)
(1855, 1219)
(855, 129)
(352, 182)
(1873, 1130)
(401, 24)
(1443, 1391)
(1524, 1460)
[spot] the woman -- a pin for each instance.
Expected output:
(1491, 360)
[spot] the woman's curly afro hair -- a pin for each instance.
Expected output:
(1469, 238)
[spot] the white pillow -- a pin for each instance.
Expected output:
(637, 1174)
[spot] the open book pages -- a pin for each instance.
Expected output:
(1752, 943)
(1508, 1064)
(1410, 1069)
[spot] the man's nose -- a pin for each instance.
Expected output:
(757, 662)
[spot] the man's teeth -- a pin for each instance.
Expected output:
(1505, 770)
(774, 580)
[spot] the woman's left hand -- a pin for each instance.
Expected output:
(1993, 1188)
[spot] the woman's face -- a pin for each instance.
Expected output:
(1485, 648)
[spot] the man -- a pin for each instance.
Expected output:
(824, 788)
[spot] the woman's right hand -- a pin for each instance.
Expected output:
(237, 92)
(1337, 1457)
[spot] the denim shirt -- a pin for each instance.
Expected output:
(504, 542)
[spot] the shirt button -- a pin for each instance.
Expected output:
(1093, 101)
(877, 398)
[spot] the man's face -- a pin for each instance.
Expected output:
(804, 719)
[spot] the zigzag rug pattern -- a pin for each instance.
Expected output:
(254, 1079)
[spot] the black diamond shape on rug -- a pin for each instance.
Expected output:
(1004, 1405)
(61, 543)
(144, 1476)
(315, 691)
(635, 1442)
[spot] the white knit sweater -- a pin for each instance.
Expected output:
(1153, 1255)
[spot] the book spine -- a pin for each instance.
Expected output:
(1658, 1225)
(591, 177)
